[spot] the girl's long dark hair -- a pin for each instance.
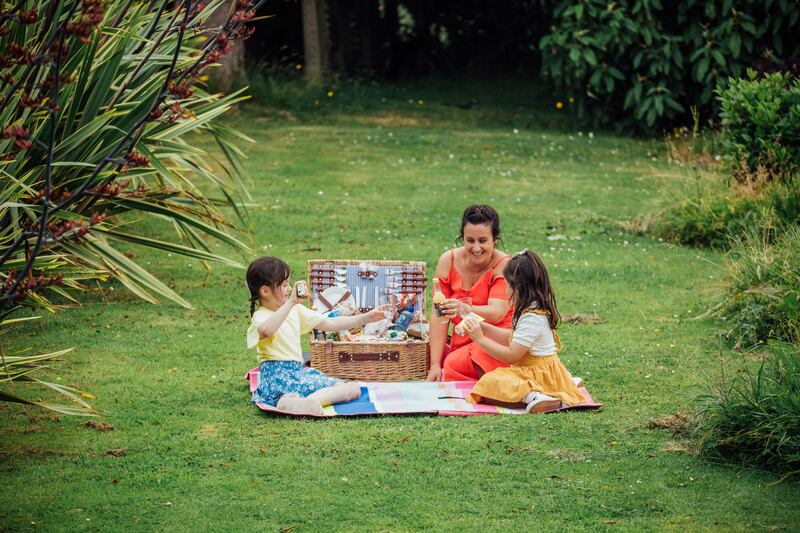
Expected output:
(269, 271)
(527, 277)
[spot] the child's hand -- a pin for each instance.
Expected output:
(294, 296)
(379, 313)
(473, 328)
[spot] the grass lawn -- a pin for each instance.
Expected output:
(390, 180)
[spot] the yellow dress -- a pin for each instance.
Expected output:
(532, 373)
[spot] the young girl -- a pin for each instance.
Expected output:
(536, 376)
(275, 330)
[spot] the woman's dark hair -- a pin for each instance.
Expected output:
(527, 276)
(480, 214)
(269, 271)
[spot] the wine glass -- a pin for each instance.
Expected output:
(383, 300)
(464, 306)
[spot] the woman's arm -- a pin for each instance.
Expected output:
(437, 328)
(493, 311)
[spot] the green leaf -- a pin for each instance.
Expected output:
(616, 73)
(574, 54)
(167, 246)
(102, 85)
(735, 45)
(701, 70)
(174, 211)
(589, 56)
(127, 271)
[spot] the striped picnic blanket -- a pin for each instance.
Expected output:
(446, 398)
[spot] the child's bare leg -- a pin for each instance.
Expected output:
(342, 392)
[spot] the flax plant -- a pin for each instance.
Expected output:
(97, 101)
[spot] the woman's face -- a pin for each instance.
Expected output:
(478, 243)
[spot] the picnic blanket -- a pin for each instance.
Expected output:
(447, 398)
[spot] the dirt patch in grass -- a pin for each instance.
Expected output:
(564, 454)
(99, 426)
(680, 447)
(389, 120)
(677, 423)
(580, 319)
(209, 430)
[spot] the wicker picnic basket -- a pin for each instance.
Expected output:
(369, 361)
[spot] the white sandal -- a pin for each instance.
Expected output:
(541, 403)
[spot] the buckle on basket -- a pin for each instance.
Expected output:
(350, 357)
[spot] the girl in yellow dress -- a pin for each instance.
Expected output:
(536, 377)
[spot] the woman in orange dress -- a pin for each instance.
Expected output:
(474, 270)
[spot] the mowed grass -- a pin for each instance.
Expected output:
(390, 181)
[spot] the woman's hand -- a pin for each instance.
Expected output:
(434, 374)
(473, 329)
(450, 307)
(377, 314)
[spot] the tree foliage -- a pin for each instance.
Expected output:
(97, 100)
(642, 64)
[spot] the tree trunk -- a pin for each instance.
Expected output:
(230, 71)
(316, 40)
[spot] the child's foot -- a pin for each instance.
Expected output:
(293, 403)
(577, 381)
(539, 403)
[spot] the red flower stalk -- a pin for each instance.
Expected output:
(15, 51)
(15, 131)
(155, 114)
(27, 101)
(28, 17)
(20, 135)
(135, 159)
(96, 218)
(180, 90)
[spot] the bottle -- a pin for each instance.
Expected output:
(438, 298)
(301, 289)
(404, 320)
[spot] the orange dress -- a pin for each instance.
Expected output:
(459, 364)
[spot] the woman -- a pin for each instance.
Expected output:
(474, 271)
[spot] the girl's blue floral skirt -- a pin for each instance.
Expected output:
(276, 378)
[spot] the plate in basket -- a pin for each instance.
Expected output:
(333, 295)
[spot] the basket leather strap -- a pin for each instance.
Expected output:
(351, 357)
(324, 300)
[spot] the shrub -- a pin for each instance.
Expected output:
(761, 126)
(754, 419)
(716, 218)
(763, 299)
(641, 64)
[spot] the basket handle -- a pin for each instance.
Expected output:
(350, 357)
